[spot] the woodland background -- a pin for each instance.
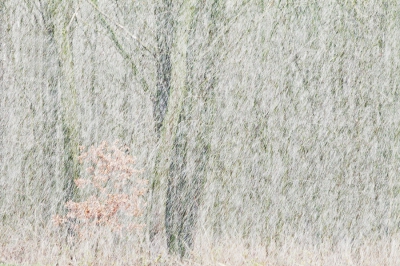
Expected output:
(269, 131)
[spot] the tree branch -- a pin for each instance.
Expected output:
(150, 50)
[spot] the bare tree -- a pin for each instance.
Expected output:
(51, 101)
(185, 186)
(164, 39)
(59, 102)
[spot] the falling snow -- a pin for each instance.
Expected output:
(267, 131)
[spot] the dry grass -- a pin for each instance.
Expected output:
(227, 252)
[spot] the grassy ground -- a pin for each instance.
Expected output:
(290, 252)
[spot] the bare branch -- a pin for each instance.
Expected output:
(150, 50)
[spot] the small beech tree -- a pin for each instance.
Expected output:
(113, 192)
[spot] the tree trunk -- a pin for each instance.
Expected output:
(185, 185)
(165, 28)
(164, 38)
(69, 100)
(59, 105)
(51, 101)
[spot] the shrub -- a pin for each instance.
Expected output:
(113, 192)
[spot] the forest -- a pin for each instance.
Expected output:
(208, 132)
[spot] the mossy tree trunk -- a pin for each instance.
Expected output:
(191, 148)
(70, 125)
(164, 40)
(59, 132)
(51, 100)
